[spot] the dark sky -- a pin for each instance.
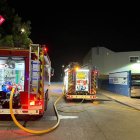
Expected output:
(70, 34)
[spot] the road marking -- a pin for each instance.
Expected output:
(53, 118)
(68, 117)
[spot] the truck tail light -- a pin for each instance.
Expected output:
(32, 102)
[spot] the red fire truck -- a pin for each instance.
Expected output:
(80, 83)
(25, 70)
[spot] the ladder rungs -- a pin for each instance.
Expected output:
(33, 92)
(34, 49)
(34, 85)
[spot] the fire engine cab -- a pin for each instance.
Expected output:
(80, 83)
(25, 70)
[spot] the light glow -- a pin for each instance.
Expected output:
(77, 68)
(32, 102)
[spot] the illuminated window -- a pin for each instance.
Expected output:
(133, 59)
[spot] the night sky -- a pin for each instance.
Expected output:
(71, 34)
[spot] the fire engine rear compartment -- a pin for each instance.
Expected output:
(79, 83)
(12, 71)
(12, 74)
(20, 70)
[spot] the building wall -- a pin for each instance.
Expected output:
(87, 61)
(120, 62)
(108, 61)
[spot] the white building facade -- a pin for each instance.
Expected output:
(107, 61)
(110, 63)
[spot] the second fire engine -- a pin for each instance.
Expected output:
(80, 83)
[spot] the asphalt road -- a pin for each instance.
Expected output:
(103, 119)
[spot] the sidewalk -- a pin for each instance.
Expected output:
(132, 102)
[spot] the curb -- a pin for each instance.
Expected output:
(121, 102)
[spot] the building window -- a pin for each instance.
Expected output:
(133, 59)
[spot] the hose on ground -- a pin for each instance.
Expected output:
(30, 130)
(71, 111)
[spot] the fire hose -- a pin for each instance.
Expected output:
(30, 130)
